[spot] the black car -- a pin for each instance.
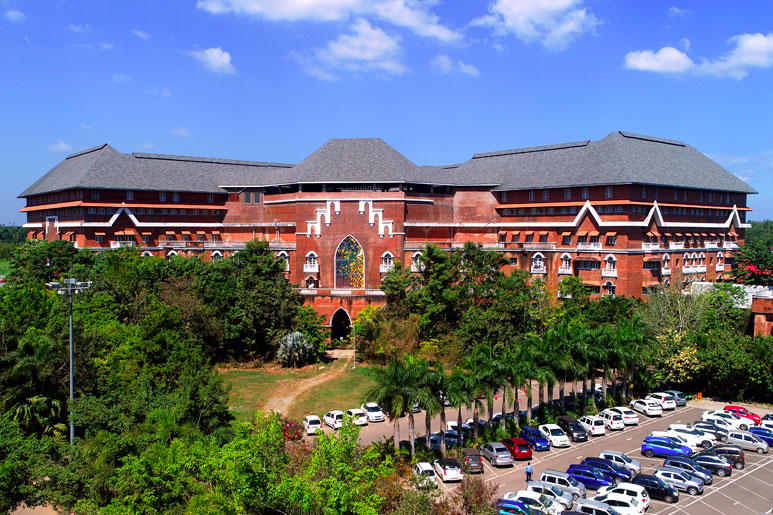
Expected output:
(657, 488)
(616, 472)
(573, 429)
(717, 465)
(709, 427)
(472, 460)
(733, 453)
(769, 416)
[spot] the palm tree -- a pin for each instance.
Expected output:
(510, 370)
(387, 392)
(412, 390)
(456, 393)
(436, 383)
(474, 381)
(531, 371)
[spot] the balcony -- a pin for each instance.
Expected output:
(538, 269)
(417, 267)
(720, 267)
(729, 245)
(676, 245)
(589, 246)
(609, 272)
(311, 268)
(224, 244)
(385, 269)
(650, 246)
(173, 243)
(280, 245)
(700, 269)
(564, 270)
(711, 245)
(119, 244)
(540, 245)
(665, 271)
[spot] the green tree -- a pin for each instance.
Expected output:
(754, 263)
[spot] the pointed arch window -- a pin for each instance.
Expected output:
(350, 264)
(283, 255)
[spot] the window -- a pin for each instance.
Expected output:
(210, 198)
(541, 211)
(176, 197)
(521, 211)
(141, 211)
(543, 238)
(572, 210)
(101, 210)
(162, 196)
(567, 240)
(701, 195)
(146, 238)
(92, 210)
(644, 192)
(538, 261)
(545, 194)
(151, 211)
(551, 211)
(95, 194)
(664, 210)
(684, 195)
(79, 194)
(516, 237)
(502, 238)
(529, 238)
(387, 259)
(98, 238)
(199, 237)
(610, 287)
(172, 211)
(567, 193)
(610, 262)
(711, 196)
(533, 211)
(205, 212)
(676, 194)
(186, 237)
(566, 261)
(651, 265)
(582, 238)
(585, 192)
(311, 259)
(195, 212)
(593, 289)
(563, 210)
(612, 240)
(657, 192)
(111, 211)
(165, 211)
(531, 195)
(129, 195)
(587, 265)
(283, 255)
(349, 264)
(504, 197)
(247, 197)
(594, 239)
(182, 211)
(608, 192)
(513, 261)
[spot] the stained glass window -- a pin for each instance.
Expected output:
(350, 264)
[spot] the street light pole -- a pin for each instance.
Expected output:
(70, 287)
(354, 340)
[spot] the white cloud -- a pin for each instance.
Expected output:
(367, 48)
(445, 64)
(158, 90)
(685, 43)
(147, 145)
(666, 60)
(215, 60)
(85, 127)
(415, 16)
(180, 131)
(106, 46)
(554, 23)
(80, 29)
(14, 16)
(750, 51)
(676, 12)
(141, 34)
(121, 78)
(60, 146)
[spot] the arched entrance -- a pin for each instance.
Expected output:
(340, 326)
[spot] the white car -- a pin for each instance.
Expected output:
(631, 490)
(373, 411)
(649, 408)
(554, 434)
(630, 418)
(767, 424)
(358, 416)
(623, 504)
(334, 419)
(540, 502)
(703, 438)
(613, 421)
(733, 421)
(666, 401)
(425, 475)
(311, 423)
(449, 469)
(677, 438)
(593, 425)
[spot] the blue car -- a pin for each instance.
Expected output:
(616, 472)
(507, 507)
(535, 439)
(589, 476)
(763, 433)
(662, 446)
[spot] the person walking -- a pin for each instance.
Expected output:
(529, 472)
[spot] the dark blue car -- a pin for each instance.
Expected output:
(589, 476)
(662, 446)
(535, 439)
(616, 472)
(507, 507)
(763, 433)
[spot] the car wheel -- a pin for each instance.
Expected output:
(738, 465)
(648, 453)
(706, 444)
(692, 490)
(668, 499)
(721, 472)
(744, 427)
(617, 480)
(760, 450)
(575, 496)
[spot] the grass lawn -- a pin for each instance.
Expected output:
(5, 265)
(346, 391)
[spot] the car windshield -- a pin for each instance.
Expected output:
(451, 466)
(617, 417)
(573, 482)
(523, 447)
(652, 405)
(545, 500)
(339, 417)
(372, 409)
(598, 422)
(556, 491)
(313, 422)
(556, 432)
(427, 472)
(626, 458)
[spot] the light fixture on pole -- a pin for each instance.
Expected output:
(70, 286)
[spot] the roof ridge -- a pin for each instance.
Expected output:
(211, 160)
(654, 139)
(87, 151)
(526, 150)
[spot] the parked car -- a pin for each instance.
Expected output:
(589, 476)
(472, 460)
(747, 441)
(555, 435)
(666, 401)
(311, 423)
(680, 480)
(763, 433)
(694, 469)
(541, 503)
(709, 427)
(716, 464)
(622, 504)
(373, 411)
(731, 453)
(630, 418)
(594, 507)
(448, 469)
(518, 448)
(703, 439)
(558, 495)
(616, 472)
(334, 419)
(657, 488)
(661, 446)
(496, 453)
(565, 482)
(574, 430)
(743, 413)
(768, 416)
(766, 423)
(612, 420)
(649, 408)
(679, 397)
(593, 425)
(622, 460)
(425, 475)
(678, 439)
(733, 420)
(359, 418)
(512, 507)
(632, 490)
(535, 438)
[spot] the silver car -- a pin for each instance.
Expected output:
(620, 459)
(747, 441)
(496, 453)
(556, 494)
(680, 480)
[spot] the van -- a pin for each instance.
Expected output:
(573, 428)
(565, 482)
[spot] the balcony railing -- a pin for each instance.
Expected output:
(538, 269)
(609, 272)
(281, 245)
(173, 243)
(589, 246)
(729, 245)
(720, 268)
(700, 269)
(676, 245)
(224, 244)
(384, 269)
(650, 246)
(665, 271)
(564, 270)
(538, 245)
(417, 267)
(119, 244)
(311, 268)
(711, 244)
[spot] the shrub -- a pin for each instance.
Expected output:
(295, 351)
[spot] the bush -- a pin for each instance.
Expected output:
(295, 351)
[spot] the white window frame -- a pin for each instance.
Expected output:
(608, 192)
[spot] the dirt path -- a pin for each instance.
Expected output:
(282, 403)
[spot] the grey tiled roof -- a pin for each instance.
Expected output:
(619, 158)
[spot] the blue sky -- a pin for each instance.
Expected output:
(439, 80)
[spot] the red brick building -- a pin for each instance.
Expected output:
(625, 213)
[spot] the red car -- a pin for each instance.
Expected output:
(743, 412)
(518, 448)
